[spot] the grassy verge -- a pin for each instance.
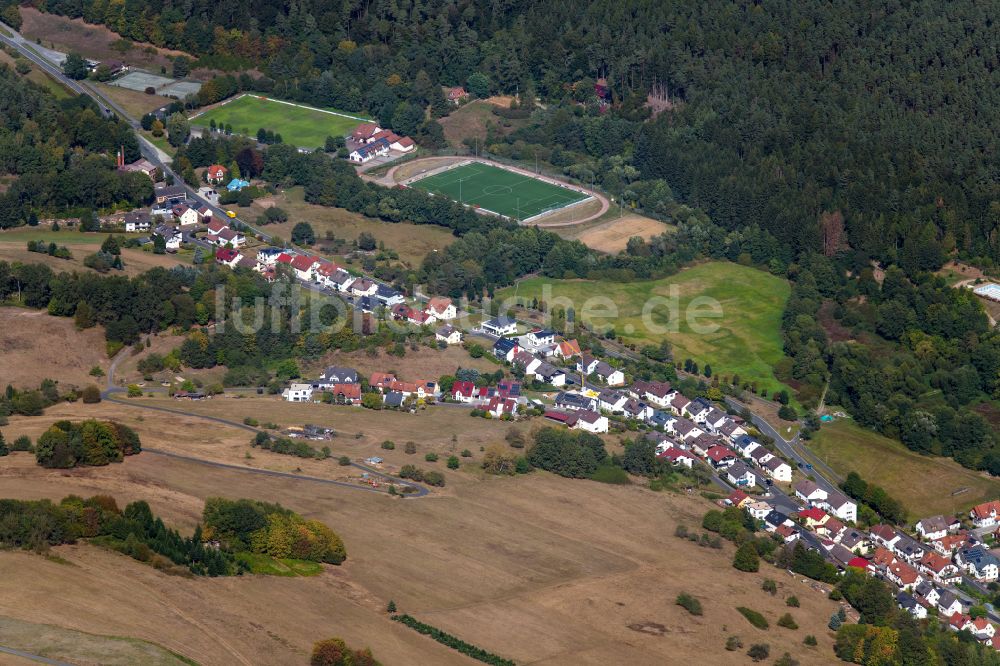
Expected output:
(926, 485)
(746, 339)
(266, 565)
(80, 647)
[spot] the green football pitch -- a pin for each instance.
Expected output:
(500, 191)
(298, 125)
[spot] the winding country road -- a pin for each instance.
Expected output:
(111, 391)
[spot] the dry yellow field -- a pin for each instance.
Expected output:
(35, 346)
(136, 261)
(536, 568)
(611, 235)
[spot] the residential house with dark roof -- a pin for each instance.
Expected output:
(575, 402)
(937, 527)
(500, 326)
(336, 374)
(740, 475)
(505, 348)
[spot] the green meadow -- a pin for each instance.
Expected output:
(298, 125)
(746, 336)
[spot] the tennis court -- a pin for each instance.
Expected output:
(508, 193)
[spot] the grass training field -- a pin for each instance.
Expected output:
(747, 340)
(497, 190)
(944, 486)
(299, 125)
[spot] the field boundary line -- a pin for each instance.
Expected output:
(279, 101)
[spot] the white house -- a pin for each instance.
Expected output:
(757, 510)
(778, 469)
(979, 562)
(841, 506)
(304, 267)
(740, 475)
(808, 491)
(760, 456)
(611, 401)
(608, 375)
(591, 422)
(549, 374)
(948, 604)
(230, 237)
(137, 221)
(172, 237)
(936, 527)
(442, 308)
(363, 287)
(500, 326)
(986, 514)
(539, 337)
(298, 393)
(186, 215)
(448, 335)
(370, 151)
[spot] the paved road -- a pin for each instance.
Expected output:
(33, 657)
(792, 448)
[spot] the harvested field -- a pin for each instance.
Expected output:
(612, 235)
(29, 340)
(512, 565)
(91, 41)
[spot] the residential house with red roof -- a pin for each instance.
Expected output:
(216, 174)
(463, 391)
(813, 517)
(228, 257)
(677, 456)
(304, 266)
(364, 132)
(720, 456)
(940, 568)
(498, 406)
(903, 575)
(456, 95)
(441, 308)
(568, 349)
(985, 515)
(346, 394)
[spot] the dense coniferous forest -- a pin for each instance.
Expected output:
(62, 153)
(778, 112)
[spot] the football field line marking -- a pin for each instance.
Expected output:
(281, 101)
